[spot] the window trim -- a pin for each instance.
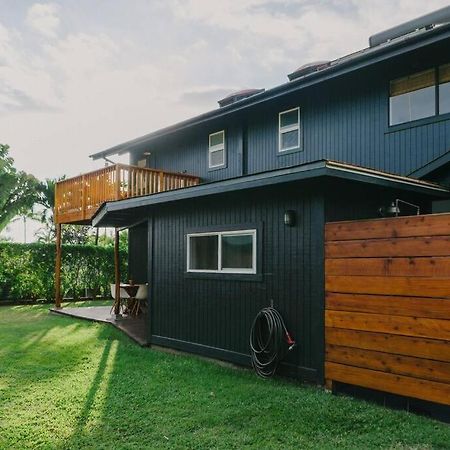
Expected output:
(220, 269)
(217, 148)
(287, 129)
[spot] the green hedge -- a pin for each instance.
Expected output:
(27, 271)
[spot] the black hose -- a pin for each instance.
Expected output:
(269, 341)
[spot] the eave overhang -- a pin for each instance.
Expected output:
(123, 212)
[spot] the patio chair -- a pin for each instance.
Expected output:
(123, 295)
(139, 299)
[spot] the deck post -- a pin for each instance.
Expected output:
(117, 273)
(58, 267)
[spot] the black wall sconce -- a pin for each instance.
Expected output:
(393, 210)
(289, 218)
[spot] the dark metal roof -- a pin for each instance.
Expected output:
(338, 67)
(123, 212)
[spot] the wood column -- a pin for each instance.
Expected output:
(58, 267)
(117, 272)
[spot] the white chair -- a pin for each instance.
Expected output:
(141, 297)
(123, 295)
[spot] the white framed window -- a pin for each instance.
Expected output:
(222, 252)
(289, 130)
(216, 152)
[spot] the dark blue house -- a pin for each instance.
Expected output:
(340, 140)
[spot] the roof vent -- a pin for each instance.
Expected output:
(238, 95)
(438, 17)
(306, 69)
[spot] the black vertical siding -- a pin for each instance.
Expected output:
(188, 152)
(217, 313)
(138, 253)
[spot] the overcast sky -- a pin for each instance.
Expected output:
(79, 76)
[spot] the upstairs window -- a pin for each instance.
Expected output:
(423, 94)
(413, 97)
(216, 152)
(444, 89)
(222, 252)
(289, 130)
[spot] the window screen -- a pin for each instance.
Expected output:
(237, 251)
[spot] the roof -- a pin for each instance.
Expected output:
(126, 212)
(336, 68)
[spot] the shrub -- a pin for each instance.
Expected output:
(27, 271)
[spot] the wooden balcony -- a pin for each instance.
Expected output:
(78, 198)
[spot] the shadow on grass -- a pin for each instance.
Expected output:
(152, 399)
(34, 350)
(93, 390)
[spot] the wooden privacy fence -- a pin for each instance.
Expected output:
(78, 198)
(387, 314)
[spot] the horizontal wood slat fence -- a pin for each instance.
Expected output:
(78, 198)
(387, 313)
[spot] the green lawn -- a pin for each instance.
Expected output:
(71, 384)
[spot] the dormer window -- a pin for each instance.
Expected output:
(216, 153)
(289, 130)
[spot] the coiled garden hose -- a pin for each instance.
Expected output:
(269, 341)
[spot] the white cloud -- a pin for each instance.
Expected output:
(125, 72)
(43, 18)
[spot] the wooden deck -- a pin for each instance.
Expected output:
(77, 199)
(134, 327)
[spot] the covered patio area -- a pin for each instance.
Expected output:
(134, 327)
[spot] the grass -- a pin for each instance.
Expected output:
(72, 384)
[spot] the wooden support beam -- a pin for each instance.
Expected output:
(58, 267)
(117, 272)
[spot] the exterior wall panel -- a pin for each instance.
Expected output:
(218, 312)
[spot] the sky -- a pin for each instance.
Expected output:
(79, 76)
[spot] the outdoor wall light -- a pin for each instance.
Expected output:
(393, 210)
(289, 218)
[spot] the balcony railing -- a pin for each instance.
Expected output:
(78, 198)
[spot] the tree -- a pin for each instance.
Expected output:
(71, 234)
(18, 190)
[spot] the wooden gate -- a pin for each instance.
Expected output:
(387, 312)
